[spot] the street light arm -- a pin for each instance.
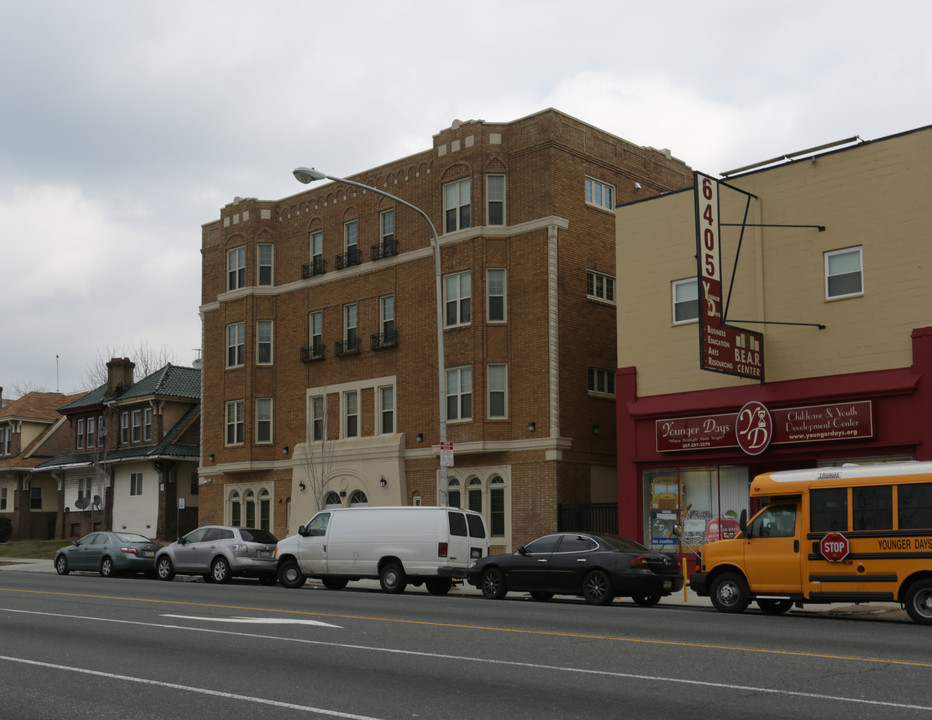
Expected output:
(307, 175)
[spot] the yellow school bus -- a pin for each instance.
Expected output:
(856, 533)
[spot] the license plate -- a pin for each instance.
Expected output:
(148, 553)
(667, 584)
(264, 553)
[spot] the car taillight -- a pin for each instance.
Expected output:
(442, 550)
(129, 550)
(241, 548)
(639, 562)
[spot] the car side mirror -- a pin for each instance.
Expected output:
(522, 550)
(302, 531)
(75, 543)
(743, 523)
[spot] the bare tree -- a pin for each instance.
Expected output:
(18, 390)
(318, 450)
(146, 359)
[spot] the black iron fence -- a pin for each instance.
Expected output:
(588, 517)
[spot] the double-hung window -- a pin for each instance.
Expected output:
(495, 194)
(685, 301)
(91, 433)
(234, 422)
(351, 243)
(387, 321)
(600, 286)
(457, 292)
(498, 393)
(495, 284)
(236, 344)
(79, 435)
(844, 273)
(351, 414)
(263, 420)
(386, 410)
(318, 419)
(147, 424)
(387, 234)
(135, 484)
(265, 255)
(456, 206)
(459, 393)
(236, 268)
(316, 326)
(137, 425)
(317, 253)
(264, 342)
(35, 497)
(600, 194)
(3, 498)
(124, 427)
(350, 329)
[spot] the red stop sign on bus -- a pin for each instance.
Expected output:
(834, 547)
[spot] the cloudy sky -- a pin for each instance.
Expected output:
(127, 125)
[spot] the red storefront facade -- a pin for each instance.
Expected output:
(686, 458)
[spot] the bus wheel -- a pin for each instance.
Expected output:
(729, 593)
(919, 602)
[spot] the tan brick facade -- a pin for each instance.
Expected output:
(552, 333)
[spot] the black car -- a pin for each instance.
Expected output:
(598, 567)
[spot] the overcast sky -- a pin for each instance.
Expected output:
(127, 125)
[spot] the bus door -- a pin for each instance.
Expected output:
(773, 551)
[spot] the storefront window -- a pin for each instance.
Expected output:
(705, 501)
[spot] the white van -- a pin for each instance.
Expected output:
(397, 545)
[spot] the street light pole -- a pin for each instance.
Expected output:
(309, 175)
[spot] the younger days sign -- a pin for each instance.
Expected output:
(754, 432)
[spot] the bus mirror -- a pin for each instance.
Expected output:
(743, 521)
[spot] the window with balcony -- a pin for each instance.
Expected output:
(316, 265)
(350, 254)
(386, 335)
(386, 247)
(350, 342)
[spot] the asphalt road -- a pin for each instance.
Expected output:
(82, 646)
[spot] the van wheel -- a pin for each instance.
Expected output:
(919, 602)
(332, 583)
(290, 575)
(729, 593)
(774, 607)
(439, 586)
(392, 578)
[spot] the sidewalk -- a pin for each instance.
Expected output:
(683, 598)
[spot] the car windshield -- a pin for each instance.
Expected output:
(131, 538)
(623, 544)
(259, 536)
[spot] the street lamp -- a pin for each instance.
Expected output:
(309, 175)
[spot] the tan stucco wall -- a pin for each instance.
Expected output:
(873, 195)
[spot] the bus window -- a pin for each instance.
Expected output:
(915, 506)
(873, 507)
(828, 509)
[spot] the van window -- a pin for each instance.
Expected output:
(318, 526)
(775, 521)
(828, 510)
(457, 524)
(873, 507)
(915, 506)
(476, 526)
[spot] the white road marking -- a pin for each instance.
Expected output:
(256, 621)
(485, 661)
(188, 688)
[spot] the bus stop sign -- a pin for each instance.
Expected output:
(834, 547)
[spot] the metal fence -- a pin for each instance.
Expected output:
(588, 517)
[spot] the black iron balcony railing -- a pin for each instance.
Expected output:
(349, 258)
(387, 248)
(310, 353)
(380, 341)
(314, 267)
(349, 346)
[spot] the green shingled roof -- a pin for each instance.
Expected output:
(169, 381)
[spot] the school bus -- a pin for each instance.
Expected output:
(856, 533)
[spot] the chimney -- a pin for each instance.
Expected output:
(119, 376)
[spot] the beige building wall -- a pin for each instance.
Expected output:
(873, 195)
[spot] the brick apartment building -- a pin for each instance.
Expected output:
(320, 374)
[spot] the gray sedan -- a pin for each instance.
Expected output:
(218, 553)
(108, 553)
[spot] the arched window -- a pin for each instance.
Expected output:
(358, 498)
(474, 494)
(236, 512)
(453, 494)
(265, 510)
(249, 500)
(332, 499)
